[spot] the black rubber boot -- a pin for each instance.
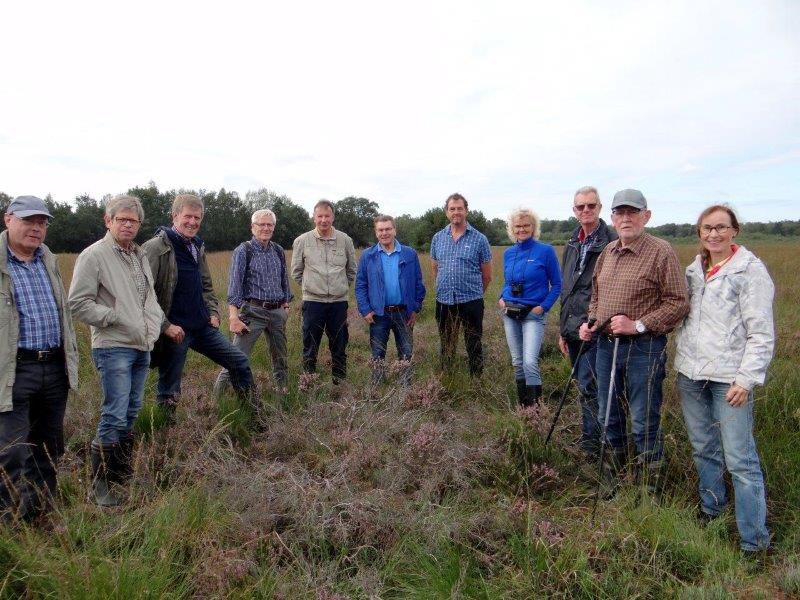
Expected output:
(122, 461)
(535, 392)
(522, 392)
(102, 459)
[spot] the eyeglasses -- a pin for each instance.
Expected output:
(720, 229)
(35, 220)
(623, 211)
(126, 221)
(264, 225)
(580, 207)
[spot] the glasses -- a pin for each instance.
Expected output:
(720, 229)
(264, 225)
(126, 221)
(35, 220)
(581, 207)
(624, 211)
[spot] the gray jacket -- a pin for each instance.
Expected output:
(104, 296)
(729, 334)
(9, 324)
(324, 268)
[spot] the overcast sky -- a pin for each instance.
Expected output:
(406, 102)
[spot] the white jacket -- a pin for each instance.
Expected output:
(729, 334)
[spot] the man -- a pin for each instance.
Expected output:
(324, 263)
(258, 297)
(186, 295)
(639, 284)
(38, 361)
(577, 266)
(389, 293)
(462, 267)
(112, 291)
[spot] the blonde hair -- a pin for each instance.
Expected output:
(522, 213)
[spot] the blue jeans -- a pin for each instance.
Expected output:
(380, 329)
(209, 342)
(639, 375)
(722, 436)
(123, 372)
(587, 385)
(524, 342)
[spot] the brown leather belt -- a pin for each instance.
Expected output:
(264, 303)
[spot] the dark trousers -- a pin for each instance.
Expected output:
(587, 384)
(32, 437)
(449, 318)
(329, 318)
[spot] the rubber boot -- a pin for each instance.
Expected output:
(102, 457)
(522, 392)
(534, 393)
(122, 467)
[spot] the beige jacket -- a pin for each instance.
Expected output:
(324, 268)
(9, 324)
(104, 295)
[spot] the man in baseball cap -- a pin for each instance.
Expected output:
(38, 353)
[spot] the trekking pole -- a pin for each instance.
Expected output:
(609, 399)
(569, 380)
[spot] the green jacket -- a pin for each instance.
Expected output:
(161, 256)
(104, 295)
(9, 324)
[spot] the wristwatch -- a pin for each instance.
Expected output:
(640, 328)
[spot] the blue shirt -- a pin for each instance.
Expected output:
(459, 262)
(39, 324)
(535, 266)
(390, 262)
(266, 279)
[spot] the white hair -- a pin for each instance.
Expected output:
(522, 212)
(263, 212)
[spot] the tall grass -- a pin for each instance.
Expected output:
(447, 491)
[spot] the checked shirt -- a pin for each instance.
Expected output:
(39, 323)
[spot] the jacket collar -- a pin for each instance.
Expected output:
(47, 257)
(738, 263)
(602, 234)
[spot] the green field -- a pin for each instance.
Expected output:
(447, 492)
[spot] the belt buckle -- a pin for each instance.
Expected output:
(43, 355)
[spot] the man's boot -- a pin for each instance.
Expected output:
(534, 393)
(122, 467)
(102, 459)
(522, 392)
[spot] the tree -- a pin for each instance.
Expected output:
(291, 221)
(355, 217)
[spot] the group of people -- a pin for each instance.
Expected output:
(621, 292)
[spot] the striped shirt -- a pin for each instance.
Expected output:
(459, 263)
(643, 280)
(134, 265)
(266, 279)
(39, 323)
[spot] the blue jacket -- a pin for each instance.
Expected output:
(535, 265)
(369, 281)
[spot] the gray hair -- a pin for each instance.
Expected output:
(183, 200)
(587, 189)
(324, 204)
(522, 212)
(263, 212)
(124, 202)
(383, 219)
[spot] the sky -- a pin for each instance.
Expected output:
(510, 103)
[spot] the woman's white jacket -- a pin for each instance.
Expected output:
(728, 335)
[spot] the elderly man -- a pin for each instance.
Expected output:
(638, 283)
(462, 267)
(38, 361)
(577, 267)
(186, 295)
(112, 292)
(324, 263)
(258, 297)
(389, 292)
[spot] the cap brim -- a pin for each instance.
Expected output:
(30, 213)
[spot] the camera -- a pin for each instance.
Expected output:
(516, 289)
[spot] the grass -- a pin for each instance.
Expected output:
(446, 492)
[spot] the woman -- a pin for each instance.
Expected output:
(532, 285)
(724, 348)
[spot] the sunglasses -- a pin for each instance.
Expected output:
(581, 207)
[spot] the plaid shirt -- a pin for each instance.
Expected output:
(39, 323)
(644, 281)
(459, 278)
(266, 280)
(134, 265)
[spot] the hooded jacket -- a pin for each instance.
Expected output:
(729, 334)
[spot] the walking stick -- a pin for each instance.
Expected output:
(605, 424)
(569, 380)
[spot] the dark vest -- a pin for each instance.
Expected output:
(188, 307)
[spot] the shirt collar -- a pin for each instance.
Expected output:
(319, 237)
(258, 244)
(37, 254)
(186, 240)
(582, 235)
(396, 248)
(449, 228)
(634, 246)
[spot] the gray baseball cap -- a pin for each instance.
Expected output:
(633, 198)
(27, 206)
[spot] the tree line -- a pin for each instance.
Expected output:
(227, 221)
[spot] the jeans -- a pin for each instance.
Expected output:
(587, 385)
(524, 342)
(32, 437)
(209, 342)
(449, 318)
(639, 375)
(329, 318)
(722, 436)
(272, 323)
(380, 329)
(123, 372)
